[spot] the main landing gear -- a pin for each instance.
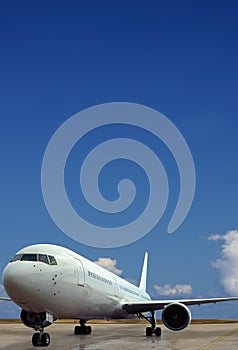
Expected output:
(82, 329)
(153, 329)
(40, 338)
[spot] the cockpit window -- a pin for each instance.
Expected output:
(43, 258)
(52, 260)
(16, 258)
(29, 257)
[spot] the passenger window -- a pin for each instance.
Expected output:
(16, 258)
(29, 257)
(52, 260)
(43, 258)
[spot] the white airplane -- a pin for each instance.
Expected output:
(50, 282)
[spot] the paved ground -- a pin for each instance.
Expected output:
(126, 337)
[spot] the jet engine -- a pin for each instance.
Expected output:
(176, 316)
(36, 320)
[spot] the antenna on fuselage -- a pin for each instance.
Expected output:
(143, 278)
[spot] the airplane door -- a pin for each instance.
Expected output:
(80, 272)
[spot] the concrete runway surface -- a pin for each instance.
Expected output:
(124, 336)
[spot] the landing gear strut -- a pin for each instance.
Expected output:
(82, 329)
(40, 338)
(153, 329)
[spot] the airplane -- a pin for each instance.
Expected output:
(51, 282)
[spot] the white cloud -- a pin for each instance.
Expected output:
(176, 290)
(227, 264)
(109, 264)
(215, 237)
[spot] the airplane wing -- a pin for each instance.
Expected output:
(152, 305)
(5, 299)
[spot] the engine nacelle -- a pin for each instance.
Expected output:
(176, 316)
(36, 320)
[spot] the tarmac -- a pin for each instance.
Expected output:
(124, 336)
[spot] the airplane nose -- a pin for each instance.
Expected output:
(16, 281)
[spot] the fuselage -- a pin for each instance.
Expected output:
(53, 279)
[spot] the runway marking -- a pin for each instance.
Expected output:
(219, 340)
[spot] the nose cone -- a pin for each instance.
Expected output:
(16, 281)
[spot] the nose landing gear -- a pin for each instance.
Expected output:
(41, 339)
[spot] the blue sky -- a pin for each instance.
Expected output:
(178, 57)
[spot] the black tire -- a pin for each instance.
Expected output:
(77, 330)
(149, 331)
(36, 341)
(45, 339)
(88, 330)
(157, 331)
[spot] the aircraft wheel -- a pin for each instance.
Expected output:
(149, 331)
(45, 339)
(88, 330)
(77, 330)
(36, 341)
(82, 330)
(157, 331)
